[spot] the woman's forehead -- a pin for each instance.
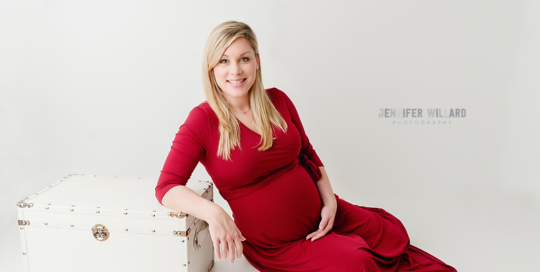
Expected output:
(239, 47)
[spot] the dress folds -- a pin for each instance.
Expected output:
(275, 201)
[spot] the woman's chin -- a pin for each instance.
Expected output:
(237, 92)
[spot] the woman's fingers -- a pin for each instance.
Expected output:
(323, 232)
(313, 234)
(224, 248)
(239, 248)
(319, 235)
(232, 248)
(231, 251)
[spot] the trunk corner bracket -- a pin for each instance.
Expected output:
(23, 204)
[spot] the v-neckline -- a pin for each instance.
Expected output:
(241, 123)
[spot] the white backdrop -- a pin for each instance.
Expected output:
(101, 87)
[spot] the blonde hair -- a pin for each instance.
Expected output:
(264, 113)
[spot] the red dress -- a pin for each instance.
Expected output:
(276, 204)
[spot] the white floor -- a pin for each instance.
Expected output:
(241, 265)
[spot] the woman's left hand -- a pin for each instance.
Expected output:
(328, 213)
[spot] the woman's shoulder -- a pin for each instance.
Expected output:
(273, 91)
(277, 95)
(203, 107)
(199, 121)
(201, 113)
(201, 116)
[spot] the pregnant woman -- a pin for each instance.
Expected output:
(252, 143)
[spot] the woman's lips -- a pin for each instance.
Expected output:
(237, 84)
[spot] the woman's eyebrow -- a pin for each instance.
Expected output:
(240, 55)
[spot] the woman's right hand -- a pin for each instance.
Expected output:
(224, 232)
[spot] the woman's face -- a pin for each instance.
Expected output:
(237, 64)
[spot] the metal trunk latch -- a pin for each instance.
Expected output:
(100, 232)
(177, 214)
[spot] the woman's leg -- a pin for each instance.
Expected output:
(386, 237)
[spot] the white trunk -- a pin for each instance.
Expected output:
(95, 223)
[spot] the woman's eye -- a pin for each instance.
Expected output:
(222, 61)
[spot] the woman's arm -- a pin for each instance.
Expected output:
(329, 209)
(325, 189)
(187, 150)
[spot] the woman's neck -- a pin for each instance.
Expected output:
(239, 104)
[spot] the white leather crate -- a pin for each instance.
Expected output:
(97, 223)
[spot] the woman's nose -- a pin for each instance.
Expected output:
(235, 69)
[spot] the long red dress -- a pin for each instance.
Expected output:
(276, 204)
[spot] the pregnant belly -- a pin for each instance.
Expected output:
(285, 210)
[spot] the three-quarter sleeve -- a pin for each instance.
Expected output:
(186, 151)
(307, 148)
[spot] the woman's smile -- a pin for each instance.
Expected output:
(237, 82)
